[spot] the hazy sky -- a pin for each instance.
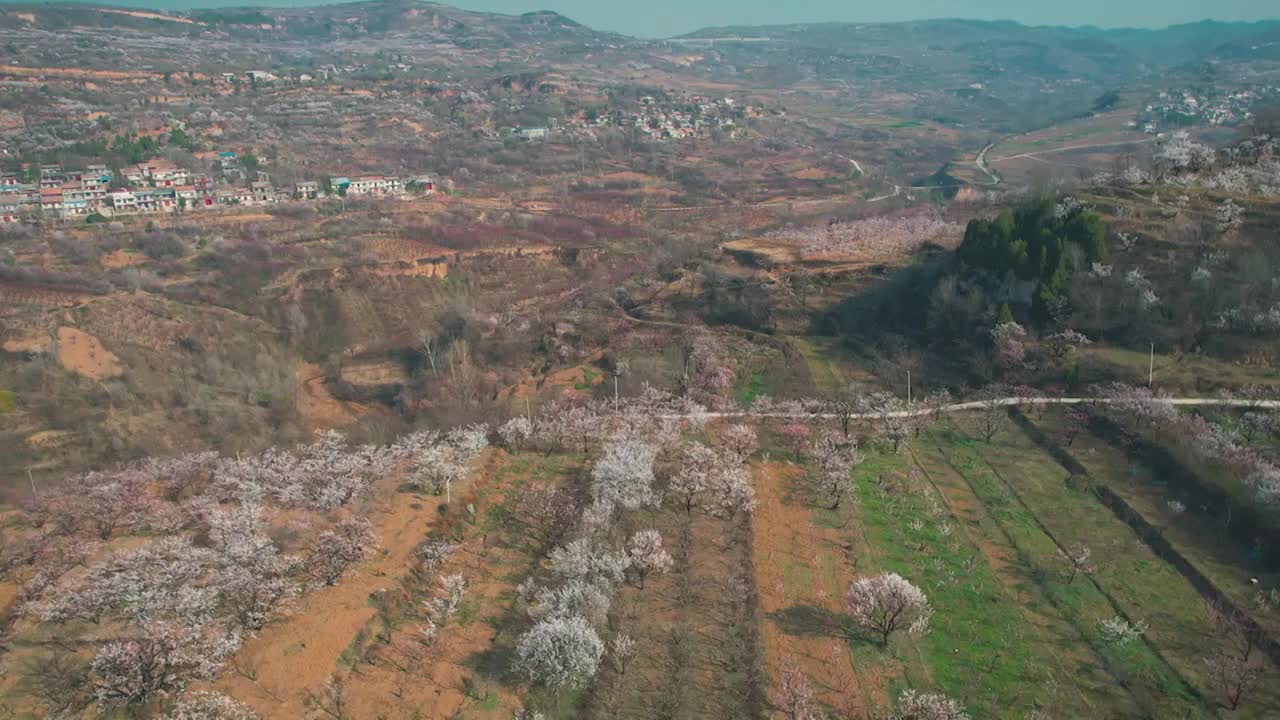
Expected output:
(672, 17)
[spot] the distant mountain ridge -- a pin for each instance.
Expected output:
(345, 20)
(1163, 48)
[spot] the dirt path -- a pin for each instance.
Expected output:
(294, 657)
(317, 405)
(802, 573)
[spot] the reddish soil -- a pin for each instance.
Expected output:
(292, 659)
(81, 353)
(785, 537)
(434, 686)
(317, 405)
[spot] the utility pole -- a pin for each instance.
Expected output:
(615, 392)
(908, 388)
(31, 479)
(1151, 367)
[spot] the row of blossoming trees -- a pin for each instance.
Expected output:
(137, 622)
(150, 576)
(1238, 445)
(568, 600)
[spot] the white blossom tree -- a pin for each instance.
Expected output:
(442, 608)
(739, 441)
(589, 560)
(516, 432)
(435, 553)
(645, 555)
(573, 426)
(833, 463)
(207, 705)
(793, 695)
(623, 476)
(914, 705)
(559, 653)
(439, 465)
(157, 662)
(622, 650)
(161, 581)
(691, 481)
(1177, 154)
(731, 493)
(884, 604)
(576, 598)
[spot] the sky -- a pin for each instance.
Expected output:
(664, 18)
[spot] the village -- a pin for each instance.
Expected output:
(159, 185)
(683, 118)
(1194, 106)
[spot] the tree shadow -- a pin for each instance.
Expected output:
(812, 621)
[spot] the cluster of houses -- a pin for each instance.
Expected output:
(682, 118)
(161, 186)
(685, 118)
(1212, 106)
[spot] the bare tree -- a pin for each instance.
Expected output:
(331, 699)
(61, 681)
(845, 406)
(1075, 561)
(547, 513)
(429, 345)
(991, 416)
(1236, 665)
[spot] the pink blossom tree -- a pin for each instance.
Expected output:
(796, 437)
(1009, 342)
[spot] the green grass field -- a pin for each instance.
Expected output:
(978, 526)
